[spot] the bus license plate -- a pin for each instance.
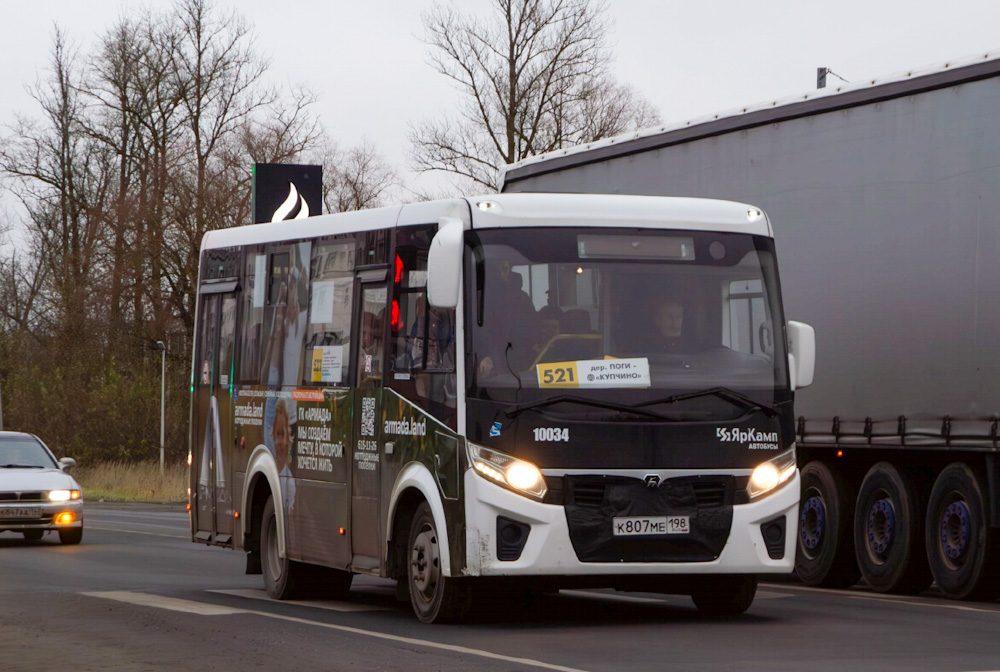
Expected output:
(21, 512)
(642, 525)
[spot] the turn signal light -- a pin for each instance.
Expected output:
(65, 518)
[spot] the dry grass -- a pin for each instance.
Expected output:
(133, 482)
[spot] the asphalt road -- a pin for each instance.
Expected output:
(138, 595)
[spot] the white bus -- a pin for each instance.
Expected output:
(544, 390)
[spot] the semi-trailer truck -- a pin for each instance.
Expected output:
(885, 198)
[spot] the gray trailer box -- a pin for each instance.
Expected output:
(885, 203)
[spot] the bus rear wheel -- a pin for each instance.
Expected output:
(961, 553)
(434, 596)
(280, 573)
(825, 550)
(725, 595)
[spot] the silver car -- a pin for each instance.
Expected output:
(36, 493)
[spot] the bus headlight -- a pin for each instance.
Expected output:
(510, 472)
(769, 475)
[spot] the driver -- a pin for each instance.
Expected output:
(667, 332)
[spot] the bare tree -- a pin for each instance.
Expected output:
(534, 77)
(357, 179)
(138, 151)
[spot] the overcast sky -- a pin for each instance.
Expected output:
(366, 62)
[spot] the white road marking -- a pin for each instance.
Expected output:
(611, 597)
(330, 605)
(896, 599)
(148, 534)
(190, 606)
(761, 595)
(161, 602)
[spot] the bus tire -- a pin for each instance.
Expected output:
(961, 553)
(436, 598)
(725, 595)
(888, 532)
(280, 574)
(825, 548)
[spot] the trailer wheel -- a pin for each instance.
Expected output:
(825, 548)
(434, 596)
(960, 550)
(280, 574)
(888, 532)
(726, 595)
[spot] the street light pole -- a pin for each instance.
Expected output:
(161, 346)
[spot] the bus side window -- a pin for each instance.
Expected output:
(328, 334)
(285, 313)
(423, 338)
(254, 283)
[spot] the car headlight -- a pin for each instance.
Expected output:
(769, 475)
(63, 495)
(510, 472)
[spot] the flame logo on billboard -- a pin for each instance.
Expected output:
(294, 197)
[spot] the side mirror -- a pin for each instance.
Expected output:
(444, 263)
(67, 463)
(801, 354)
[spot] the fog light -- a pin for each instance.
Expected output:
(65, 518)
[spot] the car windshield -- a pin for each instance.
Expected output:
(24, 451)
(607, 312)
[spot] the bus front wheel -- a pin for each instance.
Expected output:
(434, 596)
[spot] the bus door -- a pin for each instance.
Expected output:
(212, 440)
(366, 526)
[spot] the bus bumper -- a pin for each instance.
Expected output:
(548, 550)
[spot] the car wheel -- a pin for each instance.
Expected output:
(434, 596)
(71, 536)
(726, 595)
(33, 535)
(888, 532)
(825, 547)
(280, 574)
(962, 556)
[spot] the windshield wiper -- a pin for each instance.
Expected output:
(516, 409)
(725, 393)
(21, 466)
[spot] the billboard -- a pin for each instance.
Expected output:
(286, 191)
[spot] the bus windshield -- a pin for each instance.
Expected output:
(622, 314)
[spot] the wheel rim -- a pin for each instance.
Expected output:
(881, 527)
(425, 565)
(271, 550)
(812, 524)
(956, 533)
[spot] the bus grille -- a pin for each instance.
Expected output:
(588, 495)
(710, 494)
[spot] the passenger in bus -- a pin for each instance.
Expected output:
(370, 350)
